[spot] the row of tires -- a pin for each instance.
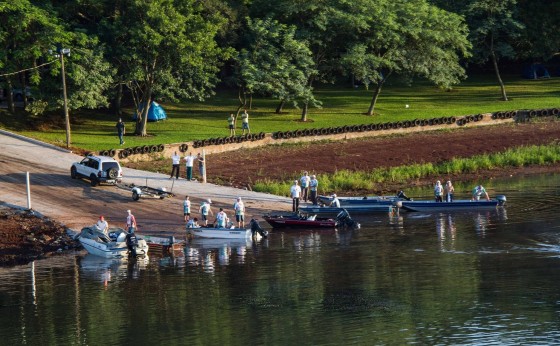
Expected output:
(363, 127)
(143, 149)
(228, 140)
(544, 112)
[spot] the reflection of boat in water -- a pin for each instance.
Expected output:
(457, 205)
(202, 243)
(100, 268)
(299, 220)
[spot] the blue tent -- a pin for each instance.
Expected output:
(535, 71)
(155, 113)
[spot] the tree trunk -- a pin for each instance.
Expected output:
(11, 105)
(142, 120)
(118, 100)
(304, 111)
(280, 106)
(497, 70)
(376, 93)
(23, 90)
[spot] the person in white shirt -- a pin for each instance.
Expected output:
(130, 222)
(313, 184)
(304, 181)
(187, 208)
(245, 122)
(205, 210)
(221, 219)
(189, 159)
(295, 193)
(176, 160)
(102, 225)
(239, 212)
(193, 223)
(335, 201)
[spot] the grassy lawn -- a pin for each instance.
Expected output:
(95, 130)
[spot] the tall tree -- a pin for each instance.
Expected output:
(167, 48)
(275, 63)
(493, 29)
(406, 37)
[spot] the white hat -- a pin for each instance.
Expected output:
(238, 198)
(334, 194)
(209, 201)
(128, 211)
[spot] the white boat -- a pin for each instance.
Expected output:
(255, 232)
(116, 245)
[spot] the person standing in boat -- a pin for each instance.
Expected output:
(313, 184)
(130, 222)
(102, 225)
(221, 219)
(478, 191)
(295, 193)
(187, 208)
(205, 210)
(449, 191)
(438, 191)
(304, 181)
(239, 208)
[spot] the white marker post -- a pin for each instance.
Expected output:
(204, 159)
(28, 190)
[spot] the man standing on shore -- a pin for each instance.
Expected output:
(231, 124)
(245, 123)
(295, 193)
(176, 160)
(304, 181)
(313, 184)
(189, 164)
(200, 166)
(121, 130)
(130, 222)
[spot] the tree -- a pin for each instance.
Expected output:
(405, 37)
(166, 48)
(493, 28)
(275, 63)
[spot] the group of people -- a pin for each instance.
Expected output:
(446, 192)
(189, 163)
(305, 188)
(221, 219)
(244, 123)
(130, 225)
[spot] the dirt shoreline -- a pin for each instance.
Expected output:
(25, 237)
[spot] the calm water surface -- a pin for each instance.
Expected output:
(488, 277)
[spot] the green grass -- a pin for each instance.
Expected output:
(95, 130)
(345, 180)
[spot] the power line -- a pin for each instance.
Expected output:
(28, 69)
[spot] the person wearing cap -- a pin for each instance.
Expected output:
(449, 190)
(130, 222)
(335, 201)
(313, 184)
(102, 225)
(304, 182)
(187, 208)
(438, 191)
(239, 208)
(205, 210)
(221, 219)
(295, 193)
(176, 162)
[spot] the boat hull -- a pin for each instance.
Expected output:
(292, 222)
(352, 209)
(357, 201)
(458, 205)
(102, 250)
(220, 233)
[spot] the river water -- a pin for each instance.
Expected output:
(488, 277)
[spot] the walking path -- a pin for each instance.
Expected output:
(76, 203)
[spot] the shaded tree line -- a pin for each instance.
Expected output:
(181, 49)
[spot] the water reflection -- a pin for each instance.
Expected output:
(107, 270)
(209, 254)
(446, 231)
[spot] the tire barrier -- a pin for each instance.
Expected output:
(543, 112)
(145, 149)
(112, 152)
(324, 131)
(306, 132)
(287, 134)
(122, 154)
(153, 148)
(161, 147)
(220, 141)
(452, 120)
(183, 148)
(555, 111)
(532, 113)
(205, 143)
(347, 128)
(299, 133)
(315, 132)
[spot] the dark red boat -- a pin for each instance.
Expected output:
(311, 221)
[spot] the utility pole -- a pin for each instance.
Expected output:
(60, 52)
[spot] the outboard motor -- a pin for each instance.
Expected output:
(401, 194)
(132, 243)
(344, 219)
(501, 200)
(256, 228)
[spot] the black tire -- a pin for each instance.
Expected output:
(262, 135)
(112, 152)
(145, 149)
(161, 147)
(73, 173)
(93, 180)
(544, 112)
(135, 195)
(213, 141)
(153, 148)
(452, 120)
(299, 133)
(555, 111)
(532, 113)
(112, 173)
